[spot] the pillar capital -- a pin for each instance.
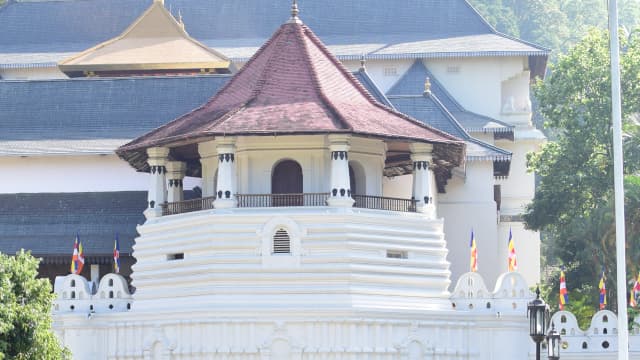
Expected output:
(226, 145)
(157, 156)
(176, 168)
(207, 149)
(339, 142)
(421, 149)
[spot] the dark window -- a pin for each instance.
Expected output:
(352, 180)
(286, 184)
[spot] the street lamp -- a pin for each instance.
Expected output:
(538, 313)
(553, 344)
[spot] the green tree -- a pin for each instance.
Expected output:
(573, 203)
(25, 311)
(556, 24)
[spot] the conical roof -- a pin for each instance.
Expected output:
(294, 85)
(153, 41)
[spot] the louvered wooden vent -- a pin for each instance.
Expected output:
(281, 242)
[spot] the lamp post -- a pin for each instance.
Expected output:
(553, 344)
(538, 313)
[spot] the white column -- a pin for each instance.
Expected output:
(157, 191)
(209, 162)
(421, 155)
(175, 175)
(226, 187)
(340, 191)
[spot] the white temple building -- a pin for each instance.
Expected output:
(278, 195)
(457, 75)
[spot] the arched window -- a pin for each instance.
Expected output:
(281, 242)
(286, 184)
(352, 180)
(110, 282)
(357, 178)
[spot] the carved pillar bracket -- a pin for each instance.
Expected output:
(157, 194)
(209, 163)
(226, 187)
(175, 176)
(421, 155)
(340, 191)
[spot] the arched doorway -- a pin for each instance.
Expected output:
(286, 184)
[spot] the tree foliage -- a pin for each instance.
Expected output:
(25, 312)
(574, 202)
(556, 24)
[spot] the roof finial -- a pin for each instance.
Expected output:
(159, 1)
(294, 12)
(427, 86)
(180, 18)
(363, 60)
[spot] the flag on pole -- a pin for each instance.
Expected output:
(116, 256)
(77, 260)
(513, 260)
(474, 253)
(603, 291)
(564, 296)
(635, 291)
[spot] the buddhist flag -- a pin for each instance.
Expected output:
(474, 253)
(564, 296)
(116, 256)
(603, 291)
(635, 291)
(77, 260)
(513, 260)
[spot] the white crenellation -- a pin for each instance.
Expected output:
(74, 295)
(600, 340)
(241, 333)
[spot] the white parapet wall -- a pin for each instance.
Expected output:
(481, 324)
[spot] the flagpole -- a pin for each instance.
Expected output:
(616, 113)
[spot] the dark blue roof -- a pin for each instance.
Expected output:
(93, 21)
(412, 83)
(371, 86)
(108, 108)
(440, 110)
(427, 109)
(47, 224)
(55, 22)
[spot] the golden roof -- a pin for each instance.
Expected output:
(155, 40)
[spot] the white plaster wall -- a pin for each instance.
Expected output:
(468, 204)
(32, 74)
(517, 191)
(81, 173)
(497, 332)
(338, 261)
(385, 73)
(477, 83)
(258, 156)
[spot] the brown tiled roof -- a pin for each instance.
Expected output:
(293, 85)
